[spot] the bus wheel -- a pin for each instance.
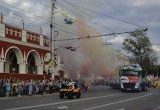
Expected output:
(123, 90)
(139, 89)
(146, 88)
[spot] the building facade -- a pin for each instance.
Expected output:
(22, 51)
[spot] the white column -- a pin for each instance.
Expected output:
(6, 67)
(40, 69)
(1, 66)
(2, 30)
(22, 68)
(41, 40)
(24, 38)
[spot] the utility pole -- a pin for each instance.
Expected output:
(52, 26)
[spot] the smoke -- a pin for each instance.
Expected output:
(91, 59)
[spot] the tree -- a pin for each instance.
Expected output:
(140, 48)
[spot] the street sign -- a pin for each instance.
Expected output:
(51, 63)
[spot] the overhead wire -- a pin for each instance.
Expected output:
(16, 8)
(27, 13)
(63, 30)
(119, 33)
(85, 18)
(61, 13)
(112, 6)
(80, 16)
(98, 23)
(109, 16)
(80, 28)
(16, 13)
(92, 39)
(64, 15)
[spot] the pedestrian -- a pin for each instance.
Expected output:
(8, 88)
(30, 87)
(1, 89)
(86, 86)
(19, 88)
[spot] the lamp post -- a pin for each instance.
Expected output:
(52, 26)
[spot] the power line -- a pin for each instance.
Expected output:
(88, 37)
(19, 9)
(83, 17)
(98, 23)
(31, 18)
(69, 32)
(44, 4)
(108, 15)
(79, 27)
(66, 28)
(63, 15)
(108, 3)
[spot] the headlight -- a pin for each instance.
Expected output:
(122, 85)
(137, 85)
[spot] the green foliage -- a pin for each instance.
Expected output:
(140, 48)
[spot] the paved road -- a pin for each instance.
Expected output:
(98, 98)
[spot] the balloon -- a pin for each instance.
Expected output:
(65, 19)
(73, 20)
(69, 20)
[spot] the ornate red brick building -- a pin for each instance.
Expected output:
(22, 51)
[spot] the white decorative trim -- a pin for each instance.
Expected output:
(19, 58)
(24, 43)
(37, 59)
(24, 56)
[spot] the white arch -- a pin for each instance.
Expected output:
(36, 56)
(18, 53)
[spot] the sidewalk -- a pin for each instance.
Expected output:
(24, 96)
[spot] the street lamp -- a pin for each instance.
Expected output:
(52, 26)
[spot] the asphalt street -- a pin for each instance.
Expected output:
(97, 98)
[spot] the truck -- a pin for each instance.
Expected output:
(131, 78)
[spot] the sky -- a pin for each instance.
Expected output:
(36, 15)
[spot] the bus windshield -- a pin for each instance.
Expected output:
(129, 73)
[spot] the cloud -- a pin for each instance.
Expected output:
(138, 3)
(11, 1)
(11, 13)
(117, 40)
(25, 5)
(156, 48)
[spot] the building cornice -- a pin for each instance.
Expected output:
(23, 43)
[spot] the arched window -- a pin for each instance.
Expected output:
(32, 68)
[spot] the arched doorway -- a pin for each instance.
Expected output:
(32, 68)
(33, 62)
(13, 63)
(13, 58)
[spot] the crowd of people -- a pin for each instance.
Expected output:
(19, 87)
(151, 82)
(99, 82)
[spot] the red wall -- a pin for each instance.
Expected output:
(23, 76)
(36, 36)
(23, 48)
(13, 33)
